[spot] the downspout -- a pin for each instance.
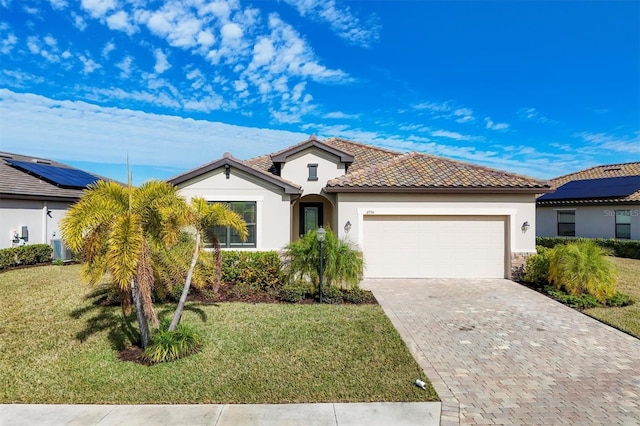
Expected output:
(45, 209)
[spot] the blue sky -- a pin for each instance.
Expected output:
(534, 87)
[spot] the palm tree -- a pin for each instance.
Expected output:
(203, 217)
(116, 228)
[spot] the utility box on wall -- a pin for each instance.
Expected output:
(24, 233)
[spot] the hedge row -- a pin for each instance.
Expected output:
(25, 255)
(257, 269)
(619, 248)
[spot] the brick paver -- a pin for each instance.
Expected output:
(500, 353)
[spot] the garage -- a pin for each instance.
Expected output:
(397, 246)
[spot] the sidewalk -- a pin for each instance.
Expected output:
(347, 414)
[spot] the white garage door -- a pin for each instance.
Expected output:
(434, 246)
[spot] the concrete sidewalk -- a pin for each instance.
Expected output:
(347, 414)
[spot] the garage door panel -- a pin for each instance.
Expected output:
(434, 246)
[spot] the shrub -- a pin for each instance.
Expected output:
(357, 296)
(293, 292)
(169, 346)
(536, 269)
(619, 248)
(583, 268)
(331, 294)
(343, 263)
(25, 255)
(257, 269)
(619, 300)
(582, 301)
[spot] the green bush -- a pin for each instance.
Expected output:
(331, 294)
(169, 346)
(293, 292)
(620, 248)
(536, 269)
(25, 255)
(257, 269)
(620, 300)
(343, 263)
(582, 301)
(583, 268)
(357, 296)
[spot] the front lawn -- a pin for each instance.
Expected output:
(59, 347)
(628, 317)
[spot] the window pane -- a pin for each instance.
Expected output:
(567, 217)
(566, 229)
(623, 231)
(228, 237)
(623, 216)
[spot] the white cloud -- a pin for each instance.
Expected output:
(341, 20)
(108, 48)
(58, 4)
(80, 131)
(341, 115)
(463, 115)
(534, 115)
(231, 31)
(451, 135)
(89, 65)
(98, 8)
(125, 66)
(607, 142)
(120, 21)
(491, 125)
(79, 22)
(8, 43)
(162, 64)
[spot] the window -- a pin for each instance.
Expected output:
(227, 237)
(623, 224)
(313, 171)
(567, 223)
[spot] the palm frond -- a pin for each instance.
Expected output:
(125, 248)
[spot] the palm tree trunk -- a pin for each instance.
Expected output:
(185, 290)
(143, 325)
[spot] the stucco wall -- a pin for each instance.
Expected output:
(273, 205)
(591, 221)
(17, 213)
(517, 208)
(296, 169)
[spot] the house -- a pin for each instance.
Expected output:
(35, 193)
(599, 202)
(412, 214)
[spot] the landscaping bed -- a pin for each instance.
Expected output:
(59, 346)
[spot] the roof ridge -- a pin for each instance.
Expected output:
(362, 144)
(593, 168)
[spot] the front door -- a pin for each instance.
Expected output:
(311, 217)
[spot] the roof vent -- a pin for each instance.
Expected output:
(3, 155)
(613, 169)
(35, 160)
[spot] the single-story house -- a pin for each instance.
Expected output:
(599, 202)
(35, 193)
(412, 214)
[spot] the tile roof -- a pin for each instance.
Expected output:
(376, 169)
(598, 172)
(421, 172)
(15, 183)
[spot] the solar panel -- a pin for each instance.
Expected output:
(616, 187)
(59, 176)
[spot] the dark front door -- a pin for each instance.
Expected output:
(311, 217)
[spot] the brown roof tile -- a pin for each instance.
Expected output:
(416, 171)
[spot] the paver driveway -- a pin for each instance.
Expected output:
(500, 353)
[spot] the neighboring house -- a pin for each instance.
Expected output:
(412, 214)
(599, 202)
(34, 195)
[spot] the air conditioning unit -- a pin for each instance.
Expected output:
(61, 251)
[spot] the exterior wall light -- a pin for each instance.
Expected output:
(525, 227)
(227, 170)
(347, 227)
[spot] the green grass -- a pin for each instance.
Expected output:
(58, 347)
(628, 317)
